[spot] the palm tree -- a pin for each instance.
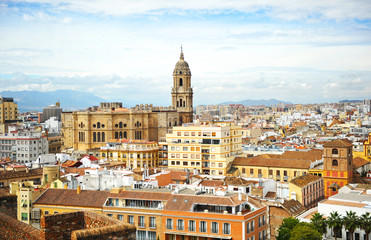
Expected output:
(365, 223)
(335, 222)
(319, 223)
(351, 222)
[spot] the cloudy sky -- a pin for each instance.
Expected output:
(298, 51)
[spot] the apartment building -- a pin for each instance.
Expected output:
(132, 153)
(23, 145)
(208, 148)
(167, 214)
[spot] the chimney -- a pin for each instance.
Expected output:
(78, 189)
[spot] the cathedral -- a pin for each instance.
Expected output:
(91, 129)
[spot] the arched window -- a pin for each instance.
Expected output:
(116, 135)
(184, 104)
(180, 120)
(94, 136)
(98, 124)
(335, 151)
(181, 102)
(103, 137)
(120, 125)
(120, 134)
(335, 162)
(177, 103)
(98, 138)
(125, 135)
(175, 123)
(180, 82)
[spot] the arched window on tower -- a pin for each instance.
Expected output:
(98, 124)
(180, 120)
(98, 138)
(180, 82)
(116, 135)
(335, 151)
(169, 122)
(125, 135)
(177, 103)
(184, 104)
(120, 125)
(120, 134)
(181, 103)
(335, 162)
(94, 136)
(103, 136)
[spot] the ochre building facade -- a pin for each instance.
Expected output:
(84, 130)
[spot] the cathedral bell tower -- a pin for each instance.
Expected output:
(182, 93)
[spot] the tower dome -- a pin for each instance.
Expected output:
(182, 67)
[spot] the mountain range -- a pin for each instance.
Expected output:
(36, 101)
(251, 102)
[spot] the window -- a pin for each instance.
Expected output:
(169, 223)
(270, 172)
(252, 226)
(263, 220)
(46, 212)
(215, 227)
(203, 226)
(141, 235)
(24, 216)
(226, 228)
(335, 151)
(248, 227)
(152, 222)
(180, 224)
(141, 221)
(260, 223)
(251, 171)
(191, 225)
(120, 217)
(131, 219)
(151, 235)
(335, 162)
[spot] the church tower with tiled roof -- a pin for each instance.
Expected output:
(337, 165)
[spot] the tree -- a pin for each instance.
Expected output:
(305, 231)
(351, 222)
(319, 223)
(365, 223)
(335, 222)
(284, 231)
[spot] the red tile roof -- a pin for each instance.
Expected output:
(305, 180)
(339, 143)
(69, 197)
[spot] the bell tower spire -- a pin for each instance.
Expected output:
(182, 93)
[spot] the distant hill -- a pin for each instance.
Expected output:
(346, 101)
(36, 101)
(250, 102)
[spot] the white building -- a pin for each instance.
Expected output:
(352, 197)
(98, 179)
(23, 145)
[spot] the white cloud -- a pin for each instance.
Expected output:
(286, 9)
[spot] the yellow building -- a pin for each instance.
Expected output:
(275, 168)
(367, 147)
(307, 189)
(8, 113)
(84, 130)
(132, 153)
(208, 148)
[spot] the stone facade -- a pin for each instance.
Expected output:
(84, 130)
